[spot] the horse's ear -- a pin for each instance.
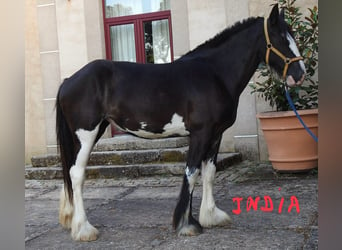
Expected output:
(282, 14)
(274, 15)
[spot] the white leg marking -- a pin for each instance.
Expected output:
(210, 215)
(81, 229)
(66, 210)
(192, 178)
(295, 50)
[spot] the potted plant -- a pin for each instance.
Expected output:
(290, 147)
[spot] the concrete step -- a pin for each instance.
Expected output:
(130, 142)
(124, 157)
(224, 160)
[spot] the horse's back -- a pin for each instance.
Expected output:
(177, 76)
(141, 92)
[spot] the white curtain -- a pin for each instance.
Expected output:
(115, 8)
(123, 42)
(161, 41)
(122, 36)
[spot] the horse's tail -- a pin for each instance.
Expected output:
(66, 146)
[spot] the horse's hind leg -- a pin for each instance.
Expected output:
(81, 229)
(66, 208)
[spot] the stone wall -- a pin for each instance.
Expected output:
(61, 37)
(35, 142)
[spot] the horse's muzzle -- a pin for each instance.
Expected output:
(290, 81)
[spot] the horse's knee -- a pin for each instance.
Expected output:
(208, 172)
(191, 177)
(77, 176)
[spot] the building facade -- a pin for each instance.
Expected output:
(61, 36)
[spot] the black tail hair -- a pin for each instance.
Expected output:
(66, 146)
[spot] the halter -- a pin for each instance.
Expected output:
(270, 47)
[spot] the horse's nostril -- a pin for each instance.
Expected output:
(300, 82)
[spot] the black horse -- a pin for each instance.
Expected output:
(196, 95)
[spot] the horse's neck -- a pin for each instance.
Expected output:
(239, 59)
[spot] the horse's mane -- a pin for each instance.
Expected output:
(224, 35)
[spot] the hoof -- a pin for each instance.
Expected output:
(84, 232)
(190, 227)
(214, 217)
(190, 230)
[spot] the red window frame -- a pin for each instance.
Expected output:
(138, 21)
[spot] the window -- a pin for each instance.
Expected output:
(116, 8)
(138, 30)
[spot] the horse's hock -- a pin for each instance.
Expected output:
(127, 156)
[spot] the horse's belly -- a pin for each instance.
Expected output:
(175, 127)
(150, 135)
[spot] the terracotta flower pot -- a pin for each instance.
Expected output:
(290, 147)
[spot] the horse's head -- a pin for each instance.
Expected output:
(282, 53)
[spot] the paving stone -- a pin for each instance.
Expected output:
(88, 193)
(136, 213)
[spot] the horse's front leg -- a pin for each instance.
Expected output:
(210, 215)
(183, 221)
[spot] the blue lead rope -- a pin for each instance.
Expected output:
(298, 116)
